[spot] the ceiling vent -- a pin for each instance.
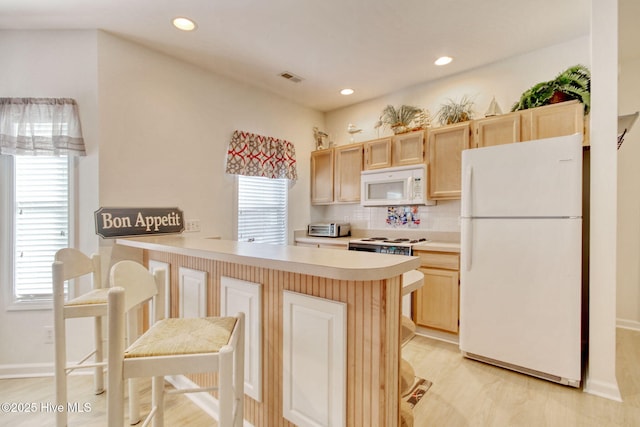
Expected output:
(291, 77)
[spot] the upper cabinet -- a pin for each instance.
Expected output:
(445, 145)
(348, 165)
(322, 177)
(561, 119)
(335, 175)
(398, 150)
(408, 149)
(377, 153)
(497, 130)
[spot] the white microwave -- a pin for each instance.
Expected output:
(405, 185)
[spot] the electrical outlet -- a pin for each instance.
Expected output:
(191, 225)
(48, 334)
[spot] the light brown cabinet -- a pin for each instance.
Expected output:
(335, 175)
(445, 145)
(408, 149)
(377, 153)
(348, 165)
(436, 304)
(399, 150)
(561, 119)
(497, 130)
(322, 177)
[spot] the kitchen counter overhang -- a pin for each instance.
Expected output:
(347, 265)
(290, 293)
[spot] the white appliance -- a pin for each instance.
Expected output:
(521, 257)
(404, 185)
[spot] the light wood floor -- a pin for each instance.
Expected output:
(464, 393)
(470, 393)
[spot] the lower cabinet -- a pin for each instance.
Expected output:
(243, 296)
(192, 292)
(314, 360)
(436, 304)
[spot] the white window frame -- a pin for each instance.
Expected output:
(237, 212)
(7, 231)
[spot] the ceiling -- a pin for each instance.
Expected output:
(373, 46)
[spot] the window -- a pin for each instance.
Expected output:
(262, 209)
(38, 137)
(36, 207)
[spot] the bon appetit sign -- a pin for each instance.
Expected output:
(120, 222)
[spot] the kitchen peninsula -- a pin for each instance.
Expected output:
(323, 328)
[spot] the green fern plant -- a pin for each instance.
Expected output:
(572, 83)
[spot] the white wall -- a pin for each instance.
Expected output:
(51, 64)
(628, 295)
(165, 127)
(601, 372)
(506, 80)
(161, 128)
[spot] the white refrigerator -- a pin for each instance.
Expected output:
(521, 257)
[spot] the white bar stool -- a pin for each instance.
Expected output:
(176, 346)
(70, 264)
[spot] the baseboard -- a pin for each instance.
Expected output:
(26, 371)
(633, 325)
(437, 335)
(204, 401)
(603, 389)
(32, 370)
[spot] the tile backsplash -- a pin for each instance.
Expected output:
(445, 216)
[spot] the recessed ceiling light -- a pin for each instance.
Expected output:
(443, 60)
(184, 24)
(346, 91)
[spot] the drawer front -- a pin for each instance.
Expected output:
(444, 260)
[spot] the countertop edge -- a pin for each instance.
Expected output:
(320, 262)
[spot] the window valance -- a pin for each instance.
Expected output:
(256, 155)
(40, 126)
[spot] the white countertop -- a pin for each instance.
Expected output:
(349, 265)
(431, 245)
(437, 246)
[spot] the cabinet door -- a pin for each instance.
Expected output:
(436, 303)
(408, 149)
(377, 154)
(445, 147)
(504, 129)
(314, 360)
(321, 177)
(561, 119)
(348, 165)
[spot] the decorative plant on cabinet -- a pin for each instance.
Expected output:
(572, 83)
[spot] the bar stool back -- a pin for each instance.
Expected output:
(71, 264)
(175, 346)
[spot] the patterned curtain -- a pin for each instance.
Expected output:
(256, 155)
(40, 126)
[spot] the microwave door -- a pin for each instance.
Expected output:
(385, 192)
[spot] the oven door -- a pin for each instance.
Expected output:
(363, 247)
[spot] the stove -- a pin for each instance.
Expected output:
(384, 245)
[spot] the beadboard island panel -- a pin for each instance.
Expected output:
(369, 284)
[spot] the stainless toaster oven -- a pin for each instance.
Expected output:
(330, 229)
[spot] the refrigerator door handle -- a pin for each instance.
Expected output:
(467, 242)
(467, 210)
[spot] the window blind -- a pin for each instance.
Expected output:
(262, 209)
(41, 222)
